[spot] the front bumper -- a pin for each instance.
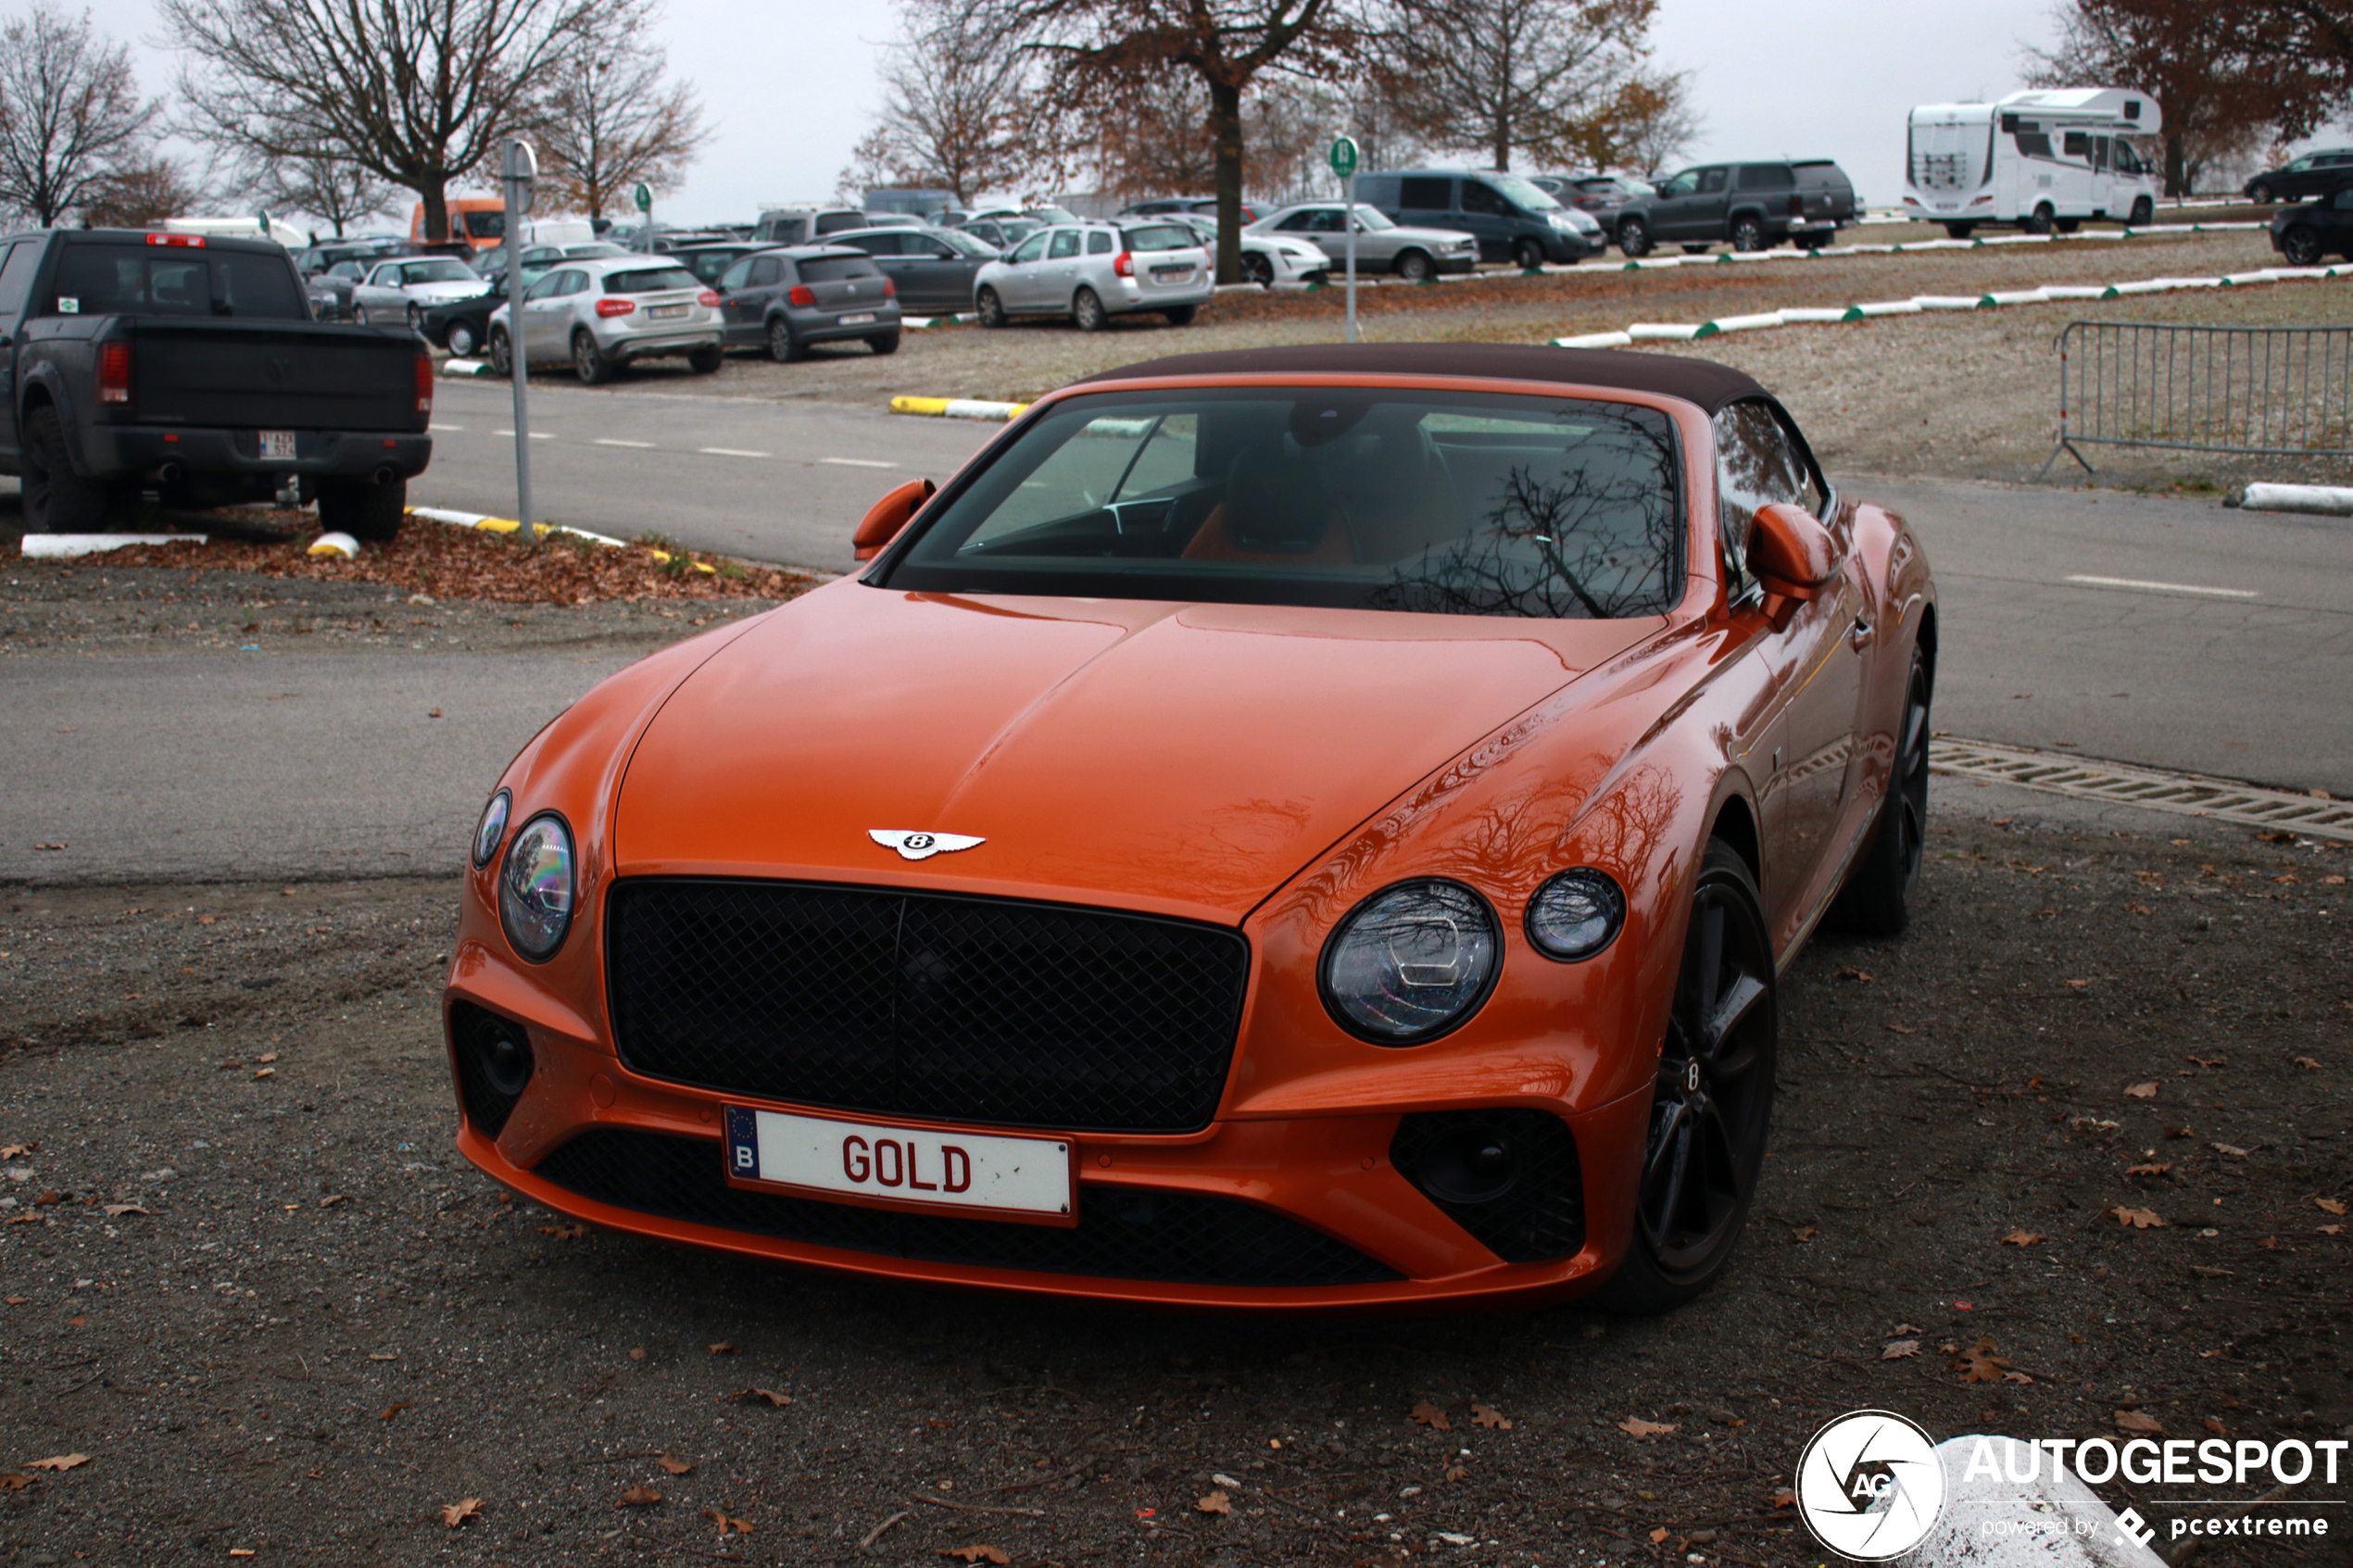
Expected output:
(110, 451)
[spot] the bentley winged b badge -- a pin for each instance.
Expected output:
(920, 846)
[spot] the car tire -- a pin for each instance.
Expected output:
(1634, 238)
(1415, 266)
(2041, 220)
(990, 309)
(371, 512)
(2301, 246)
(1179, 315)
(461, 339)
(416, 321)
(1748, 234)
(2143, 213)
(1877, 899)
(57, 499)
(1528, 256)
(1959, 230)
(588, 361)
(359, 315)
(2259, 193)
(706, 361)
(884, 342)
(1257, 269)
(1712, 1106)
(1086, 311)
(502, 353)
(783, 347)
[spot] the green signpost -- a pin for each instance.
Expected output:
(645, 199)
(1344, 165)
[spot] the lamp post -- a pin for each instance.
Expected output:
(518, 171)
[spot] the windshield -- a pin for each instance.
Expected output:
(650, 280)
(442, 271)
(1373, 218)
(1436, 502)
(96, 279)
(1524, 194)
(961, 243)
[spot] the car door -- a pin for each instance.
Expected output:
(1017, 284)
(940, 275)
(747, 305)
(378, 295)
(1426, 201)
(1058, 276)
(1801, 758)
(547, 312)
(1687, 203)
(1490, 218)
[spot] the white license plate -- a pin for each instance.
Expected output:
(1005, 1178)
(666, 312)
(1172, 274)
(858, 320)
(278, 443)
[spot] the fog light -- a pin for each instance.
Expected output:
(1509, 1176)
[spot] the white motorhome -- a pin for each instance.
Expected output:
(2040, 160)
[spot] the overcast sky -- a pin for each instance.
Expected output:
(791, 82)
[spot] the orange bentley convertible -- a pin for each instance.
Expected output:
(1301, 828)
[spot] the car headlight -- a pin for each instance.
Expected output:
(493, 830)
(536, 887)
(1411, 962)
(1575, 914)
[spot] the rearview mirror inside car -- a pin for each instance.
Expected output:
(887, 516)
(1793, 555)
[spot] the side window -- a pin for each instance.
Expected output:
(1300, 222)
(875, 244)
(1098, 243)
(1711, 180)
(765, 271)
(1480, 196)
(1766, 177)
(2077, 143)
(2342, 201)
(1756, 465)
(1029, 250)
(2031, 144)
(1427, 194)
(1065, 244)
(736, 276)
(545, 288)
(16, 279)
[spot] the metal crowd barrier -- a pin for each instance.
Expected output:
(2246, 391)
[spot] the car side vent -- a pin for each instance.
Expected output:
(1508, 1176)
(493, 1057)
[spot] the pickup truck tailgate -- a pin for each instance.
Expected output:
(256, 374)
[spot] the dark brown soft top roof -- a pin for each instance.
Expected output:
(1703, 382)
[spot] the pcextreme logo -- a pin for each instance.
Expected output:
(1869, 1485)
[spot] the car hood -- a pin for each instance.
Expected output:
(1182, 759)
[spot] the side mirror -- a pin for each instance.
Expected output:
(1793, 555)
(887, 516)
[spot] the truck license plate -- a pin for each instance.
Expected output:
(277, 445)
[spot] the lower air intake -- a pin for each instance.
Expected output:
(1509, 1177)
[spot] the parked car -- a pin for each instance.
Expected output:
(787, 298)
(1093, 271)
(1599, 197)
(317, 258)
(606, 313)
(1266, 258)
(932, 270)
(463, 326)
(1751, 206)
(2315, 174)
(191, 365)
(537, 259)
(806, 225)
(1002, 232)
(1512, 220)
(1383, 245)
(711, 260)
(1290, 830)
(1205, 206)
(2306, 231)
(399, 290)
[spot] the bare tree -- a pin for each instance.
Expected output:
(1652, 125)
(417, 93)
(1508, 76)
(1104, 50)
(608, 121)
(70, 112)
(318, 183)
(962, 108)
(141, 195)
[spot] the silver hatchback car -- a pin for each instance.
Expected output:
(1093, 271)
(605, 312)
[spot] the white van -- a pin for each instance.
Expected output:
(2041, 160)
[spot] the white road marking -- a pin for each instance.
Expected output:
(858, 462)
(609, 441)
(728, 452)
(441, 430)
(536, 436)
(2165, 587)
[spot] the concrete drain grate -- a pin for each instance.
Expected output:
(2152, 789)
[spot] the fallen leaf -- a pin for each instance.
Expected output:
(2181, 1132)
(977, 1553)
(2139, 1421)
(15, 1300)
(2229, 1149)
(18, 1151)
(1490, 1418)
(391, 1410)
(1784, 1498)
(1903, 1328)
(564, 1233)
(265, 1073)
(2207, 1061)
(48, 1201)
(2330, 1230)
(1457, 1472)
(724, 1348)
(2329, 1205)
(1848, 971)
(1899, 1349)
(56, 1462)
(2141, 1091)
(638, 1496)
(1215, 1503)
(456, 1514)
(331, 1202)
(1979, 1364)
(2016, 1377)
(1432, 1416)
(117, 1211)
(638, 1355)
(2077, 985)
(769, 1395)
(1658, 1534)
(266, 1057)
(2139, 1218)
(2216, 1427)
(1805, 1233)
(2021, 1238)
(740, 1526)
(2158, 1170)
(434, 714)
(18, 1483)
(2310, 1064)
(1635, 1426)
(1898, 1028)
(676, 1466)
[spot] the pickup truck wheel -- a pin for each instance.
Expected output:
(372, 512)
(502, 354)
(1414, 267)
(1634, 238)
(461, 339)
(704, 361)
(1748, 234)
(783, 347)
(588, 361)
(57, 499)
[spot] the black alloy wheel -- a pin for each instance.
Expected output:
(1877, 899)
(1713, 1104)
(2301, 246)
(782, 347)
(1634, 237)
(1414, 267)
(1529, 256)
(991, 308)
(588, 361)
(885, 343)
(1257, 269)
(1087, 310)
(502, 353)
(1748, 234)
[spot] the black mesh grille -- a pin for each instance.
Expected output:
(916, 1004)
(472, 1033)
(1536, 1215)
(1121, 1234)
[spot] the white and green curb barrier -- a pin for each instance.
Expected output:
(957, 409)
(61, 546)
(466, 369)
(2320, 500)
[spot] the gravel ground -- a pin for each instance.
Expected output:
(313, 1328)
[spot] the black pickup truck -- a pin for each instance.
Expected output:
(190, 365)
(1750, 206)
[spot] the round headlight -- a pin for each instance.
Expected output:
(536, 887)
(493, 829)
(1575, 915)
(1411, 962)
